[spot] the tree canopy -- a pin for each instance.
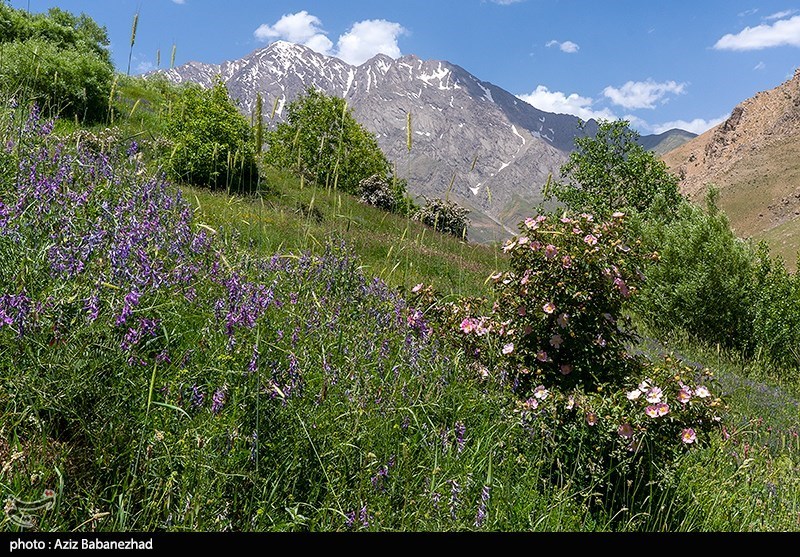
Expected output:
(612, 171)
(322, 141)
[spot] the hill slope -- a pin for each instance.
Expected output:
(753, 158)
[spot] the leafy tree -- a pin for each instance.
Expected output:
(212, 141)
(322, 141)
(612, 171)
(58, 59)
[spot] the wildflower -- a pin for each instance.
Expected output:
(654, 395)
(565, 369)
(496, 276)
(197, 397)
(625, 431)
(566, 220)
(455, 490)
(540, 392)
(480, 516)
(364, 516)
(536, 245)
(556, 341)
(550, 252)
(618, 215)
(570, 403)
(563, 320)
(684, 395)
(566, 262)
(634, 394)
(509, 246)
(622, 287)
(508, 348)
(218, 400)
(531, 224)
(524, 240)
(530, 404)
(591, 239)
(468, 325)
(541, 355)
(350, 519)
(417, 288)
(591, 418)
(688, 436)
(549, 308)
(702, 392)
(657, 410)
(521, 311)
(460, 429)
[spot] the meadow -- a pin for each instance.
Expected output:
(196, 337)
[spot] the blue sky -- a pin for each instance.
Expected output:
(662, 64)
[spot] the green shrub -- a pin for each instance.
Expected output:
(444, 216)
(776, 312)
(211, 141)
(64, 81)
(321, 141)
(703, 279)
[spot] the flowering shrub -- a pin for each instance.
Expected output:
(560, 306)
(558, 334)
(444, 216)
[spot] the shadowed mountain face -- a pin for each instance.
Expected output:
(754, 159)
(473, 142)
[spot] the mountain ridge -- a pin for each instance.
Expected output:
(473, 141)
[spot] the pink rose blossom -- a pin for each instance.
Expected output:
(541, 355)
(540, 392)
(508, 348)
(688, 436)
(563, 320)
(625, 431)
(591, 418)
(556, 341)
(591, 239)
(549, 308)
(566, 369)
(550, 251)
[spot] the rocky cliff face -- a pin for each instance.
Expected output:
(753, 158)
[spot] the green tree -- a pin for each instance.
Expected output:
(612, 171)
(322, 141)
(58, 59)
(212, 141)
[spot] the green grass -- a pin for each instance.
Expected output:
(400, 251)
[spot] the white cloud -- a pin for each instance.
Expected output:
(760, 66)
(748, 12)
(505, 2)
(364, 40)
(780, 15)
(698, 125)
(567, 46)
(301, 28)
(367, 38)
(179, 1)
(642, 94)
(785, 32)
(145, 66)
(559, 103)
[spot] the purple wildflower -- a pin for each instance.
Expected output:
(218, 400)
(480, 516)
(460, 430)
(197, 397)
(455, 490)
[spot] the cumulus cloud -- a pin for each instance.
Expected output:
(300, 28)
(785, 32)
(364, 40)
(559, 103)
(567, 46)
(698, 125)
(367, 38)
(642, 94)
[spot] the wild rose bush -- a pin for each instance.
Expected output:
(559, 335)
(561, 303)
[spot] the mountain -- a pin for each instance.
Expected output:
(473, 142)
(665, 142)
(754, 159)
